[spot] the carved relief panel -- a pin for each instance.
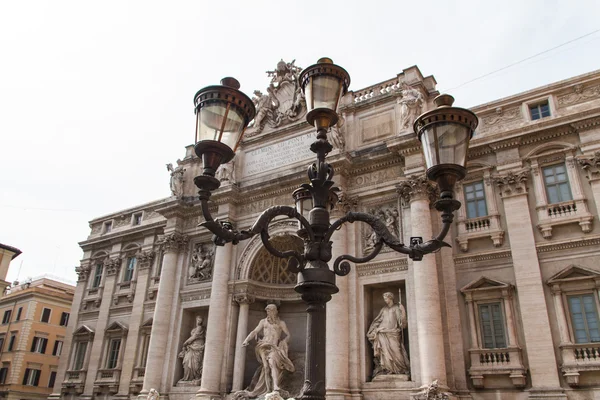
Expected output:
(200, 267)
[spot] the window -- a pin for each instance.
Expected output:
(3, 375)
(6, 318)
(1, 343)
(57, 348)
(557, 184)
(160, 264)
(46, 315)
(97, 276)
(540, 110)
(19, 311)
(64, 319)
(475, 200)
(39, 345)
(80, 351)
(144, 353)
(32, 377)
(137, 219)
(492, 326)
(113, 353)
(52, 379)
(584, 318)
(128, 275)
(11, 342)
(107, 226)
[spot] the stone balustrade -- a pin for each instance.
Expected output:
(376, 90)
(74, 381)
(506, 361)
(109, 379)
(567, 212)
(482, 227)
(578, 358)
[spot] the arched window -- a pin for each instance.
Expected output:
(270, 269)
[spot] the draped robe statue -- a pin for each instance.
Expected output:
(193, 353)
(385, 334)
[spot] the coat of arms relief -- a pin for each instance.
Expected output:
(283, 101)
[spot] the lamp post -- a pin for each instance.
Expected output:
(222, 114)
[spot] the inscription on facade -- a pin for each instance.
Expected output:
(376, 177)
(262, 204)
(279, 154)
(377, 127)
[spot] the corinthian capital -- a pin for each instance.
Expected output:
(112, 265)
(591, 165)
(173, 242)
(243, 298)
(512, 184)
(145, 259)
(419, 188)
(83, 272)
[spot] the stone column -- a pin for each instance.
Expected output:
(591, 165)
(63, 362)
(172, 244)
(96, 358)
(338, 324)
(216, 326)
(534, 314)
(418, 191)
(144, 263)
(239, 364)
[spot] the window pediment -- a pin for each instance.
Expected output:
(485, 284)
(574, 273)
(84, 330)
(116, 327)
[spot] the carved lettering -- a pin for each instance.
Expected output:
(278, 155)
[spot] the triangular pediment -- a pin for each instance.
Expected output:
(485, 283)
(83, 330)
(116, 327)
(148, 323)
(573, 273)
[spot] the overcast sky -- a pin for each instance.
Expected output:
(96, 97)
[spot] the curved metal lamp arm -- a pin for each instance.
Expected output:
(225, 233)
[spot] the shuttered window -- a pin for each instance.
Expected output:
(492, 325)
(79, 356)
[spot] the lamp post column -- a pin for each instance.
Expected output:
(418, 191)
(172, 243)
(240, 351)
(216, 328)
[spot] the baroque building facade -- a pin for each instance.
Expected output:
(510, 311)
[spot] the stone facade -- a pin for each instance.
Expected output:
(511, 311)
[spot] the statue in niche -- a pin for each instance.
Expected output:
(176, 182)
(386, 337)
(271, 353)
(201, 262)
(389, 216)
(153, 395)
(411, 104)
(225, 172)
(192, 354)
(336, 134)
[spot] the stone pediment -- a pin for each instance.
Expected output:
(116, 327)
(484, 283)
(148, 323)
(84, 330)
(572, 273)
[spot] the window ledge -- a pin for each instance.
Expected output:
(482, 227)
(74, 381)
(508, 361)
(107, 379)
(566, 212)
(578, 358)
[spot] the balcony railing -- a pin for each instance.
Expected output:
(578, 358)
(481, 227)
(507, 361)
(567, 212)
(74, 381)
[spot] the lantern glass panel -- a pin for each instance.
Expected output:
(445, 143)
(220, 121)
(323, 91)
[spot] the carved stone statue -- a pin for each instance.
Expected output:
(432, 392)
(176, 182)
(386, 336)
(153, 394)
(271, 353)
(389, 216)
(192, 354)
(411, 104)
(225, 172)
(201, 262)
(264, 108)
(336, 134)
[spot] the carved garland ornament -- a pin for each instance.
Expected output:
(83, 272)
(591, 165)
(112, 265)
(145, 259)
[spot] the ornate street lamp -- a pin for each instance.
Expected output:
(223, 113)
